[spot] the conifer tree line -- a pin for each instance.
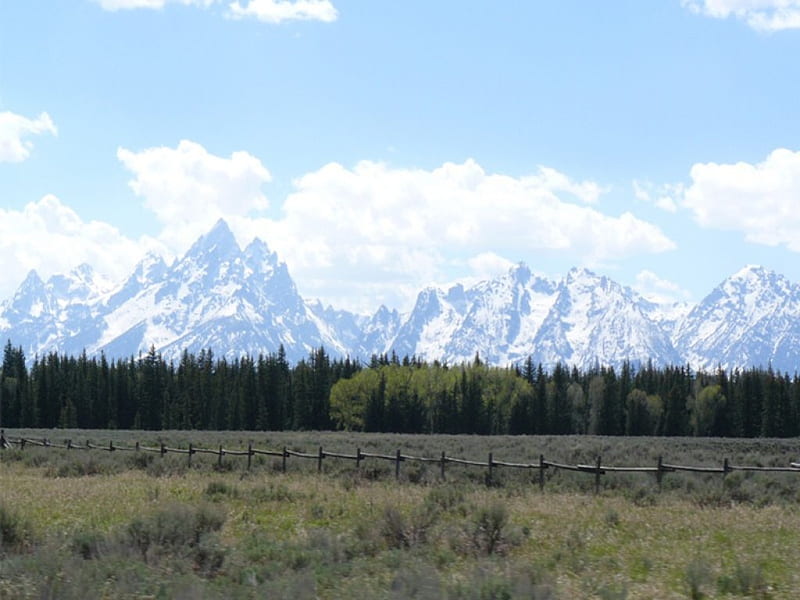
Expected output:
(391, 395)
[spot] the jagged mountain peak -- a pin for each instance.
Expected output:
(151, 267)
(80, 284)
(30, 299)
(750, 319)
(32, 281)
(581, 276)
(219, 242)
(260, 259)
(753, 270)
(520, 273)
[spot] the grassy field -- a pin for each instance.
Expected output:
(78, 524)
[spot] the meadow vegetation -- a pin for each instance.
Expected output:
(78, 524)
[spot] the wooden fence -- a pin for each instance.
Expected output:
(597, 469)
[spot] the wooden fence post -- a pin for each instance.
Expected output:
(597, 477)
(111, 446)
(69, 444)
(137, 446)
(189, 459)
(659, 472)
(541, 472)
(442, 465)
(489, 474)
(22, 444)
(397, 465)
(249, 455)
(320, 456)
(219, 458)
(283, 464)
(358, 458)
(725, 469)
(163, 449)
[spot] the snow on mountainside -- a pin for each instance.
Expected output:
(497, 319)
(239, 302)
(594, 319)
(751, 318)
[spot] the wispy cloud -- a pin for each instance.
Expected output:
(761, 15)
(661, 196)
(114, 5)
(278, 11)
(266, 11)
(14, 129)
(656, 289)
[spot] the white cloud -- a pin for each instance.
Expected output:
(391, 231)
(662, 196)
(759, 200)
(555, 181)
(278, 11)
(14, 128)
(761, 15)
(354, 237)
(188, 189)
(267, 11)
(654, 288)
(488, 265)
(50, 237)
(114, 5)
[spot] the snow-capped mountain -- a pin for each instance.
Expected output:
(243, 301)
(751, 318)
(498, 319)
(594, 319)
(216, 296)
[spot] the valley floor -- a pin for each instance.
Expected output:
(96, 524)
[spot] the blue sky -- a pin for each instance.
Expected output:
(382, 146)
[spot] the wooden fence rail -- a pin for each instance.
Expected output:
(597, 469)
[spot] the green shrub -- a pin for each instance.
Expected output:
(489, 529)
(178, 531)
(745, 580)
(445, 497)
(401, 531)
(697, 576)
(87, 544)
(216, 489)
(274, 493)
(15, 532)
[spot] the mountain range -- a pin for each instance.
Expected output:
(243, 301)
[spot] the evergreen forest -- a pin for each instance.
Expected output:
(391, 394)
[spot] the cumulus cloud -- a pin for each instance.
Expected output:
(400, 229)
(278, 11)
(188, 189)
(13, 131)
(760, 200)
(50, 237)
(654, 288)
(761, 15)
